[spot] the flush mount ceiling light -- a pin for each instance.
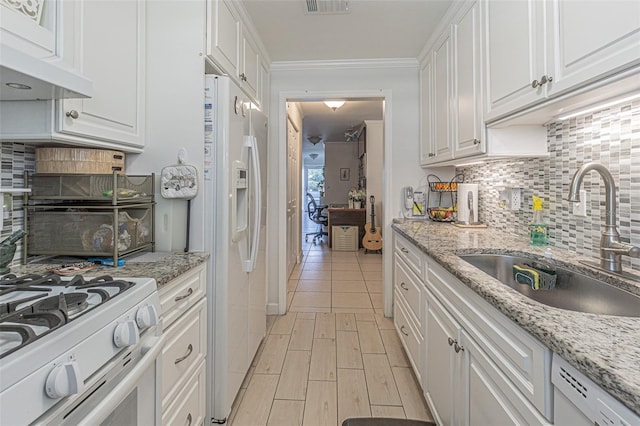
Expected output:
(314, 139)
(313, 156)
(334, 105)
(18, 86)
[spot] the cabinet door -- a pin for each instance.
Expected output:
(21, 29)
(426, 111)
(442, 370)
(487, 397)
(441, 98)
(223, 40)
(587, 45)
(250, 74)
(467, 116)
(111, 53)
(514, 49)
(264, 87)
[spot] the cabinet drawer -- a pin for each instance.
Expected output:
(186, 347)
(188, 407)
(181, 293)
(524, 360)
(410, 254)
(411, 339)
(409, 286)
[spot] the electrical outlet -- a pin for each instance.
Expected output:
(516, 198)
(580, 209)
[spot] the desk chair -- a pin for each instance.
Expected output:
(316, 216)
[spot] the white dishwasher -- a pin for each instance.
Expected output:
(579, 401)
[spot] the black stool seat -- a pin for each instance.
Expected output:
(381, 421)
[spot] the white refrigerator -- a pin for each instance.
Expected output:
(235, 193)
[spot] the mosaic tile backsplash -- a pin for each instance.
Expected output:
(16, 158)
(610, 137)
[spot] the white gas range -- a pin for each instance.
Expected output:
(75, 350)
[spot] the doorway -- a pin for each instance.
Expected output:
(329, 139)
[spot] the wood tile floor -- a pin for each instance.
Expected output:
(333, 355)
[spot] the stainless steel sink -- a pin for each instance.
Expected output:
(573, 291)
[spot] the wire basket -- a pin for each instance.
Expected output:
(449, 189)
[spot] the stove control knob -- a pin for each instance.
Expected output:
(126, 334)
(64, 380)
(147, 316)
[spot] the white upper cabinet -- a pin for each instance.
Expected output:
(514, 54)
(591, 39)
(537, 50)
(436, 112)
(223, 36)
(31, 27)
(250, 75)
(106, 43)
(113, 56)
(467, 84)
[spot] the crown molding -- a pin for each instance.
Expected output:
(344, 64)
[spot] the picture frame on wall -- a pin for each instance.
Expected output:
(345, 174)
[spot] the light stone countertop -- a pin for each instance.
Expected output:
(164, 267)
(605, 348)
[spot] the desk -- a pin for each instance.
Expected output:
(347, 217)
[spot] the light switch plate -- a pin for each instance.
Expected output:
(580, 209)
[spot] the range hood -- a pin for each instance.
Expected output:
(45, 80)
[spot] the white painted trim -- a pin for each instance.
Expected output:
(386, 95)
(344, 64)
(272, 309)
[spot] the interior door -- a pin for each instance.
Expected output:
(293, 182)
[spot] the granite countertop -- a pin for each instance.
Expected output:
(164, 267)
(605, 348)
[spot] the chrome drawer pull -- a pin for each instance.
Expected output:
(451, 341)
(404, 287)
(189, 419)
(457, 348)
(184, 296)
(182, 358)
(404, 250)
(402, 331)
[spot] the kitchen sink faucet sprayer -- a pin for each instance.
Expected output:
(611, 248)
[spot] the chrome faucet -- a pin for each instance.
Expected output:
(611, 248)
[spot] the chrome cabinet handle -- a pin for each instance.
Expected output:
(402, 331)
(243, 77)
(189, 419)
(182, 358)
(404, 250)
(431, 154)
(476, 141)
(543, 80)
(184, 296)
(451, 341)
(457, 348)
(72, 114)
(404, 287)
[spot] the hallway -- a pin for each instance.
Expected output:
(333, 355)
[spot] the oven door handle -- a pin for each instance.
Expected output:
(108, 404)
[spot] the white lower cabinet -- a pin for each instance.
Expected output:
(476, 366)
(183, 359)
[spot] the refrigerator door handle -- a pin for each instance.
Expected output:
(250, 143)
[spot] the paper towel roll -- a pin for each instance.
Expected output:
(467, 203)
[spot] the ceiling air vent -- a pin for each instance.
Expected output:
(327, 7)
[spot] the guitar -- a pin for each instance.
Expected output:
(372, 239)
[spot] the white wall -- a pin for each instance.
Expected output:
(338, 156)
(175, 113)
(397, 81)
(374, 159)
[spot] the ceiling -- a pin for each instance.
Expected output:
(372, 29)
(320, 120)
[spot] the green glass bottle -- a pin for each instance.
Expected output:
(538, 230)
